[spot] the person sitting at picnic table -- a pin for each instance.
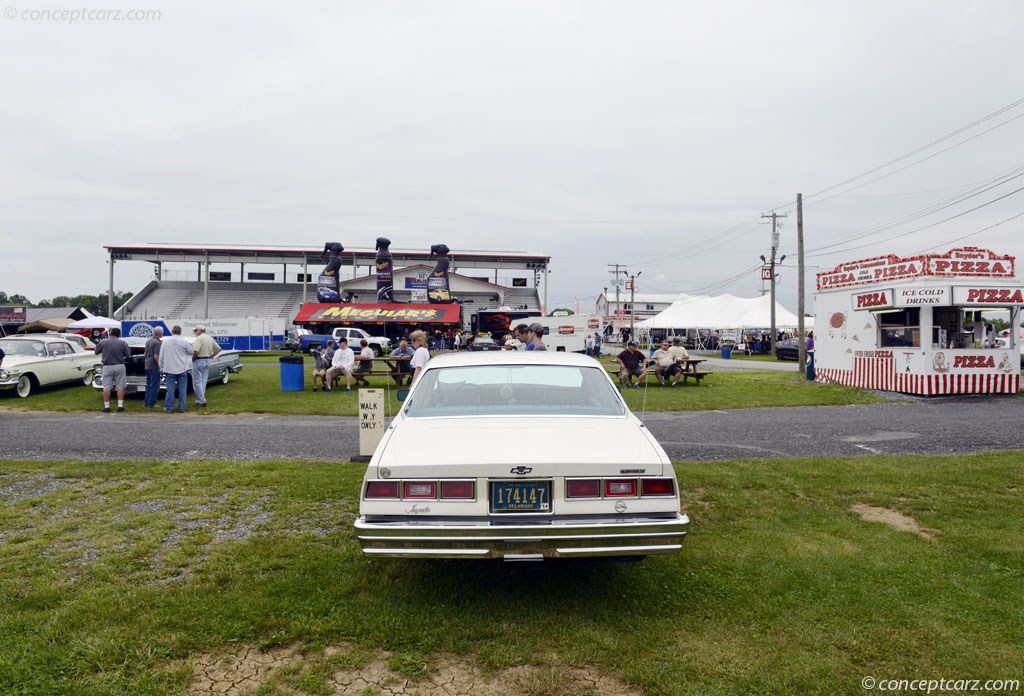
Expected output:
(679, 352)
(364, 363)
(401, 355)
(666, 365)
(632, 363)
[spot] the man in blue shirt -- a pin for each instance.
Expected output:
(401, 355)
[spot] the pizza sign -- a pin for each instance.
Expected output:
(965, 262)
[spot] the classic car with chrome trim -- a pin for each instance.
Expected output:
(221, 367)
(521, 456)
(42, 360)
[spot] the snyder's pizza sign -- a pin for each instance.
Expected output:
(966, 262)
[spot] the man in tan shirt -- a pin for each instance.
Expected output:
(204, 349)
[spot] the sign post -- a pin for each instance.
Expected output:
(371, 422)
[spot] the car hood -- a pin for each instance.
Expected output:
(491, 446)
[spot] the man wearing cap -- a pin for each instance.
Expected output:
(204, 349)
(631, 363)
(536, 337)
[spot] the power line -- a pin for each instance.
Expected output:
(986, 229)
(922, 148)
(921, 229)
(928, 210)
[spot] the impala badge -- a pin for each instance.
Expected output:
(521, 470)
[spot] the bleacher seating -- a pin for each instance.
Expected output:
(184, 300)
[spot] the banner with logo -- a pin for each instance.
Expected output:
(377, 313)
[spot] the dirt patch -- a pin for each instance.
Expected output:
(288, 670)
(893, 518)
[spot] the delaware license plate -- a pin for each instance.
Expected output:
(520, 496)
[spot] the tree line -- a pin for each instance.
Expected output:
(96, 304)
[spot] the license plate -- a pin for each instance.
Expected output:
(520, 496)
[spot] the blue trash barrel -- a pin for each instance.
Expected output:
(726, 352)
(810, 365)
(292, 373)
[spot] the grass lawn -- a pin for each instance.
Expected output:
(120, 578)
(257, 389)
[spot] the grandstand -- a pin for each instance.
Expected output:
(223, 299)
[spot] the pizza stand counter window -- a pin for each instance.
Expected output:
(915, 324)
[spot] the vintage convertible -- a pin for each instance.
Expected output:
(521, 456)
(42, 360)
(221, 367)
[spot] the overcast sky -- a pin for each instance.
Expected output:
(652, 134)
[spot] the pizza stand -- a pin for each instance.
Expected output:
(915, 325)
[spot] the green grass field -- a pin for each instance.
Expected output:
(124, 577)
(257, 389)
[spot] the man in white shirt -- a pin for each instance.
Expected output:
(343, 361)
(175, 353)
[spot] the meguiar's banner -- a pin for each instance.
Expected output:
(355, 313)
(385, 271)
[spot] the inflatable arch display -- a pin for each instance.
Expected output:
(438, 286)
(327, 289)
(385, 271)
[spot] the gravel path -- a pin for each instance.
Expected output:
(908, 426)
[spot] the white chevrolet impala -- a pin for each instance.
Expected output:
(521, 456)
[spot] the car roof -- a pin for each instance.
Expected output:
(513, 357)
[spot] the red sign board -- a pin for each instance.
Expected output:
(312, 312)
(766, 272)
(593, 323)
(966, 262)
(566, 330)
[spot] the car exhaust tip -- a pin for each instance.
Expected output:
(522, 557)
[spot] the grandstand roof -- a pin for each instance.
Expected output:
(225, 253)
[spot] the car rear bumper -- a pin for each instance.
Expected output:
(553, 539)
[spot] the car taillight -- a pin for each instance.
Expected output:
(583, 488)
(660, 486)
(457, 489)
(420, 489)
(619, 488)
(382, 489)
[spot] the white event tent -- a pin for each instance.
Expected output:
(721, 312)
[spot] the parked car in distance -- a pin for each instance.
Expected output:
(521, 456)
(221, 367)
(381, 345)
(42, 360)
(81, 340)
(484, 343)
(787, 349)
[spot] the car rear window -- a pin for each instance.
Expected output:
(506, 390)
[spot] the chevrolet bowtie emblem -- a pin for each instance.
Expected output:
(521, 470)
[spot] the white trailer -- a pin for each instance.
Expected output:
(915, 324)
(566, 333)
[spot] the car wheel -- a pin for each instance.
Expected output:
(90, 375)
(25, 384)
(375, 347)
(225, 377)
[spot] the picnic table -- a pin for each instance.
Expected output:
(691, 368)
(382, 366)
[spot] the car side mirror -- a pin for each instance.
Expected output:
(403, 394)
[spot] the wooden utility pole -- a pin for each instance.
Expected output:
(632, 304)
(802, 356)
(618, 305)
(775, 245)
(800, 269)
